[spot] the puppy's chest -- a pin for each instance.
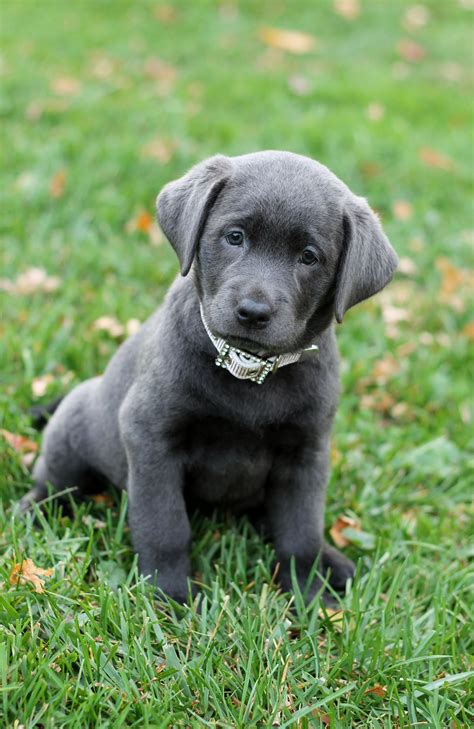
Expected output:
(227, 463)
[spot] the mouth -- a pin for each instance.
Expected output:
(250, 345)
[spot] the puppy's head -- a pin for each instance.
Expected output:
(279, 244)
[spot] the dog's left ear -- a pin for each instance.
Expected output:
(183, 206)
(367, 261)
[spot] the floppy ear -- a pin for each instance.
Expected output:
(183, 206)
(367, 261)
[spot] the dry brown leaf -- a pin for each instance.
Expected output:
(65, 85)
(375, 111)
(30, 282)
(410, 51)
(370, 169)
(319, 714)
(163, 73)
(415, 17)
(57, 184)
(102, 499)
(165, 13)
(26, 571)
(402, 210)
(468, 331)
(341, 523)
(453, 279)
(384, 369)
(377, 690)
(348, 9)
(109, 324)
(40, 384)
(438, 160)
(292, 41)
(407, 266)
(19, 443)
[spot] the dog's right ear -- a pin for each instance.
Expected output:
(183, 206)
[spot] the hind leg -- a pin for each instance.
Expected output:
(60, 463)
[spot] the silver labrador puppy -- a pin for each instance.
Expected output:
(227, 394)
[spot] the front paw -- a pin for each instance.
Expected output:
(337, 567)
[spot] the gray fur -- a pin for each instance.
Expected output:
(174, 430)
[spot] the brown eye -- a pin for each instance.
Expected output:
(309, 257)
(235, 237)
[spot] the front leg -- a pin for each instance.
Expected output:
(159, 524)
(295, 500)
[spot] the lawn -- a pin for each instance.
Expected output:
(102, 103)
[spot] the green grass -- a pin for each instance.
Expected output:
(95, 649)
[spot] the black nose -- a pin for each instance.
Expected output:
(253, 313)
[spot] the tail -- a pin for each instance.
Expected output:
(40, 414)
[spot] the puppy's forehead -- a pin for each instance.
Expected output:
(282, 190)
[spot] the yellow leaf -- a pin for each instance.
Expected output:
(26, 571)
(292, 41)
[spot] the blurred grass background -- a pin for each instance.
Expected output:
(101, 104)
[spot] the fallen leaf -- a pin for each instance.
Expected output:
(319, 714)
(402, 210)
(300, 85)
(109, 324)
(160, 149)
(370, 169)
(143, 222)
(468, 331)
(102, 66)
(410, 51)
(155, 235)
(292, 41)
(348, 9)
(91, 521)
(40, 384)
(163, 73)
(407, 266)
(102, 499)
(415, 17)
(341, 523)
(165, 13)
(19, 443)
(65, 85)
(26, 571)
(132, 326)
(384, 369)
(432, 158)
(57, 184)
(375, 111)
(377, 690)
(30, 282)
